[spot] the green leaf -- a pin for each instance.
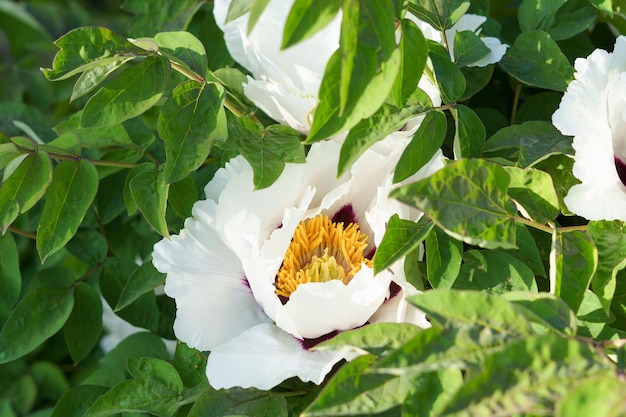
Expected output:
(75, 401)
(425, 143)
(573, 261)
(94, 76)
(71, 192)
(307, 17)
(160, 15)
(594, 396)
(414, 53)
(534, 191)
(183, 48)
(401, 237)
(135, 396)
(432, 392)
(535, 14)
(536, 60)
(38, 316)
(149, 193)
(351, 92)
(267, 150)
(470, 134)
(84, 325)
(156, 369)
(88, 245)
(238, 8)
(526, 377)
(10, 276)
(182, 196)
(443, 259)
(472, 308)
(353, 391)
(114, 278)
(255, 13)
(143, 280)
(449, 77)
(467, 199)
(545, 309)
(468, 48)
(189, 123)
(190, 365)
(23, 393)
(26, 185)
(97, 137)
(610, 240)
(385, 121)
(133, 92)
(528, 143)
(528, 251)
(495, 271)
(573, 18)
(50, 380)
(137, 345)
(376, 338)
(86, 48)
(605, 6)
(440, 14)
(239, 402)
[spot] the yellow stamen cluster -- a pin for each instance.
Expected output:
(321, 250)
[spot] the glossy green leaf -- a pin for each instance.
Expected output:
(528, 250)
(84, 325)
(144, 279)
(10, 275)
(560, 168)
(97, 137)
(536, 60)
(26, 185)
(75, 401)
(185, 49)
(414, 53)
(88, 245)
(574, 17)
(155, 369)
(401, 237)
(137, 345)
(526, 377)
(88, 47)
(149, 193)
(307, 17)
(8, 153)
(425, 143)
(573, 261)
(353, 391)
(351, 92)
(443, 258)
(92, 77)
(449, 77)
(238, 8)
(135, 396)
(595, 396)
(385, 121)
(375, 338)
(69, 196)
(160, 15)
(605, 6)
(190, 365)
(470, 134)
(440, 14)
(467, 198)
(267, 150)
(534, 191)
(182, 196)
(545, 309)
(133, 92)
(528, 143)
(458, 307)
(494, 271)
(188, 123)
(535, 14)
(238, 401)
(468, 48)
(38, 316)
(610, 240)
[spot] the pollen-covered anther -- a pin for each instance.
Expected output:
(321, 251)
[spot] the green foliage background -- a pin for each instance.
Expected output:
(528, 312)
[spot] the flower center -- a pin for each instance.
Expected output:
(320, 251)
(621, 169)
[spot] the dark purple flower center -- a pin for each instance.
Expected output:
(620, 167)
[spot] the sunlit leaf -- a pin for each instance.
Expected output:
(401, 237)
(307, 17)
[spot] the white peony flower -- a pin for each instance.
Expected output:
(260, 277)
(284, 83)
(593, 110)
(471, 22)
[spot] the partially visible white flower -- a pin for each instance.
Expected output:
(593, 110)
(284, 83)
(471, 22)
(117, 329)
(261, 276)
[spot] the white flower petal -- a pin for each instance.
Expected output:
(398, 310)
(592, 110)
(263, 357)
(207, 281)
(496, 51)
(318, 308)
